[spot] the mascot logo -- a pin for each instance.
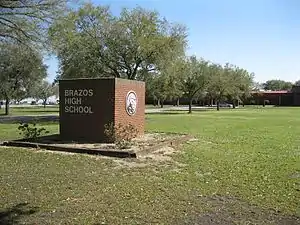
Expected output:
(131, 103)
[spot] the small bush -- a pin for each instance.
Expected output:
(120, 134)
(109, 132)
(29, 131)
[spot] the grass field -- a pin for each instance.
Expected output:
(244, 169)
(40, 110)
(34, 110)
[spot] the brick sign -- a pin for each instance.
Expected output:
(87, 105)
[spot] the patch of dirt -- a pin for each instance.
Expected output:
(139, 144)
(163, 154)
(151, 149)
(229, 210)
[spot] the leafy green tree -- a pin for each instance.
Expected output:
(241, 83)
(163, 86)
(55, 89)
(151, 88)
(194, 78)
(229, 82)
(20, 95)
(170, 80)
(20, 67)
(220, 82)
(277, 85)
(161, 89)
(43, 90)
(91, 42)
(26, 21)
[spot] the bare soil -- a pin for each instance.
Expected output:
(226, 210)
(151, 148)
(138, 144)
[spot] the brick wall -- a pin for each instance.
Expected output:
(122, 87)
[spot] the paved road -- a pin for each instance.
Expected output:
(55, 117)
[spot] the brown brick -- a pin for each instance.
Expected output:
(122, 87)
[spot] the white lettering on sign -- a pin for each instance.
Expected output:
(74, 101)
(78, 109)
(79, 93)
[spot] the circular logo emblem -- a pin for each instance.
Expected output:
(131, 103)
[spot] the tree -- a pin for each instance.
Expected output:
(20, 95)
(160, 88)
(297, 83)
(43, 90)
(277, 85)
(91, 42)
(20, 67)
(26, 21)
(220, 82)
(241, 84)
(229, 82)
(163, 86)
(55, 89)
(194, 78)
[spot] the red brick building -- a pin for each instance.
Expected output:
(280, 98)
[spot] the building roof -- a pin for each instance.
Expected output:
(272, 92)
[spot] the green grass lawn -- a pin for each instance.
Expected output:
(35, 110)
(248, 158)
(9, 131)
(40, 110)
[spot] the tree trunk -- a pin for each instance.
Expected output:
(158, 102)
(6, 106)
(162, 104)
(44, 103)
(177, 102)
(190, 105)
(218, 105)
(233, 104)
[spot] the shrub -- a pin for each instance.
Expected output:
(120, 134)
(31, 132)
(109, 132)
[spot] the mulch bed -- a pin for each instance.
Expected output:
(140, 146)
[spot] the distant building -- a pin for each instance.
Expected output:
(280, 98)
(51, 100)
